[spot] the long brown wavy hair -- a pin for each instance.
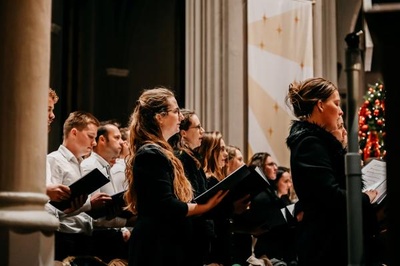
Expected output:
(145, 129)
(209, 151)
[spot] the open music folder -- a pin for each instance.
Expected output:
(226, 184)
(243, 181)
(113, 208)
(83, 186)
(374, 177)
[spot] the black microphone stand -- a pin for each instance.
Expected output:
(354, 68)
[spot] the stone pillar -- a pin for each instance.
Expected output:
(325, 48)
(215, 66)
(25, 227)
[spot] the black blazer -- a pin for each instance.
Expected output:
(203, 229)
(162, 230)
(318, 172)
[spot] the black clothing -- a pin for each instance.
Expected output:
(203, 229)
(162, 231)
(221, 243)
(195, 175)
(108, 244)
(278, 239)
(318, 172)
(67, 244)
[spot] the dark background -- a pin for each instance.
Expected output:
(144, 37)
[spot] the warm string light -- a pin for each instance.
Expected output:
(372, 123)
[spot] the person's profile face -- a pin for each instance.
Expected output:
(170, 119)
(50, 112)
(113, 143)
(236, 161)
(270, 168)
(194, 134)
(331, 111)
(223, 154)
(340, 132)
(86, 139)
(284, 184)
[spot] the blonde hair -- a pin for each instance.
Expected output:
(79, 120)
(209, 150)
(145, 129)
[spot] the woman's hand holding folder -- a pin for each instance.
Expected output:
(198, 209)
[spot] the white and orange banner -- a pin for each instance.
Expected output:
(280, 50)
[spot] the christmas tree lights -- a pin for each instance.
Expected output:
(371, 129)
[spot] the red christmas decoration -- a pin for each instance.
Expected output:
(371, 123)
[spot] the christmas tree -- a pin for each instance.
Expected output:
(371, 130)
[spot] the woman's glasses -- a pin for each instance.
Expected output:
(199, 127)
(175, 111)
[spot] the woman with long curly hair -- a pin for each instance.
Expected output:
(158, 191)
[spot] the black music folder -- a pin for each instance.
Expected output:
(226, 184)
(265, 214)
(243, 181)
(254, 183)
(113, 208)
(95, 179)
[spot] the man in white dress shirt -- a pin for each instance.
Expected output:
(109, 236)
(73, 237)
(118, 169)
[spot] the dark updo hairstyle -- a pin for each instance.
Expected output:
(303, 96)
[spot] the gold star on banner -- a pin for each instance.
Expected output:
(280, 30)
(264, 18)
(276, 107)
(302, 65)
(270, 131)
(262, 45)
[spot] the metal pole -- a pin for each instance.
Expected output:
(353, 158)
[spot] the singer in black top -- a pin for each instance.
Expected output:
(184, 143)
(317, 165)
(158, 191)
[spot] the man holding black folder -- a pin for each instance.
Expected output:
(73, 236)
(110, 236)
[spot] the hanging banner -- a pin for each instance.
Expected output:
(280, 51)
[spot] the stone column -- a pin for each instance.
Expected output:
(215, 66)
(325, 48)
(25, 227)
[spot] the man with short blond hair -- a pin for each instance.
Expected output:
(79, 137)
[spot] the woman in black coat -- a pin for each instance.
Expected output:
(158, 191)
(317, 164)
(184, 143)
